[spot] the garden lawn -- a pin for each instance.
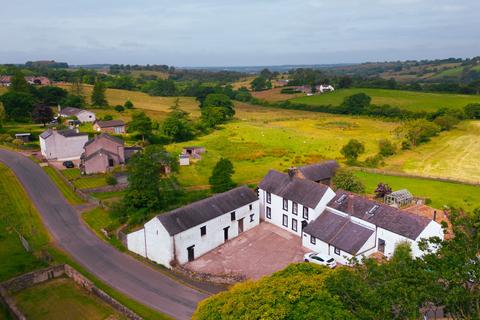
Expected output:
(408, 100)
(270, 138)
(441, 193)
(17, 214)
(89, 182)
(453, 154)
(67, 191)
(61, 299)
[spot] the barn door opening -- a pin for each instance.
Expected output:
(240, 225)
(225, 233)
(191, 253)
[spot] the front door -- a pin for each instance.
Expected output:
(381, 245)
(225, 233)
(304, 224)
(191, 253)
(240, 225)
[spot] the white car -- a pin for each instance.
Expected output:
(321, 259)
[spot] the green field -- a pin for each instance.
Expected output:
(453, 154)
(441, 193)
(61, 299)
(408, 100)
(17, 214)
(272, 138)
(67, 191)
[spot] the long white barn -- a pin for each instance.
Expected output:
(341, 224)
(186, 233)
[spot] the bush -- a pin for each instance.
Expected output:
(446, 122)
(111, 180)
(346, 180)
(107, 117)
(128, 104)
(352, 150)
(472, 111)
(119, 108)
(374, 161)
(387, 148)
(17, 142)
(5, 137)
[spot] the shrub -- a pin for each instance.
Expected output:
(17, 142)
(107, 117)
(382, 190)
(128, 104)
(111, 180)
(352, 150)
(374, 161)
(387, 148)
(472, 110)
(446, 122)
(119, 108)
(346, 180)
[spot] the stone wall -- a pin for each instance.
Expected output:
(227, 279)
(32, 278)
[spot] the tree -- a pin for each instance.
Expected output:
(352, 150)
(140, 123)
(18, 106)
(222, 101)
(346, 180)
(19, 84)
(212, 116)
(51, 95)
(73, 101)
(42, 114)
(446, 122)
(472, 110)
(76, 89)
(382, 190)
(128, 104)
(418, 131)
(177, 125)
(387, 148)
(119, 108)
(357, 103)
(98, 94)
(261, 83)
(221, 178)
(2, 113)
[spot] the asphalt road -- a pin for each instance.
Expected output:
(118, 270)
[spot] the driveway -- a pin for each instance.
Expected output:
(255, 253)
(120, 271)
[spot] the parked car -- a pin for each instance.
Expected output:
(321, 259)
(68, 164)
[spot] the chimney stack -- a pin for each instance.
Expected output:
(434, 215)
(292, 172)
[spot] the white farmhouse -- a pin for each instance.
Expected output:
(62, 145)
(326, 88)
(340, 224)
(81, 114)
(186, 233)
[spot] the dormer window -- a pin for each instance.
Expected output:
(372, 211)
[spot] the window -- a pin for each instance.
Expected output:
(285, 220)
(294, 224)
(285, 204)
(269, 213)
(305, 212)
(313, 240)
(381, 245)
(250, 207)
(294, 208)
(336, 250)
(251, 217)
(269, 197)
(203, 231)
(232, 216)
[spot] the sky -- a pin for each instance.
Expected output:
(237, 32)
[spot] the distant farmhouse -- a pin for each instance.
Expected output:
(102, 154)
(81, 114)
(110, 126)
(62, 145)
(6, 81)
(186, 233)
(307, 89)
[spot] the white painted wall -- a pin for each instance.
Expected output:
(215, 233)
(160, 245)
(433, 229)
(58, 147)
(136, 242)
(86, 116)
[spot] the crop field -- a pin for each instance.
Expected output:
(441, 193)
(454, 154)
(408, 100)
(267, 138)
(60, 299)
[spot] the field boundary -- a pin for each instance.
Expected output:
(408, 175)
(30, 279)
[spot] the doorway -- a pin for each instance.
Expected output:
(225, 233)
(240, 225)
(304, 224)
(191, 253)
(381, 245)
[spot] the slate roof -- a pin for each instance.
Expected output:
(107, 136)
(97, 152)
(305, 192)
(319, 171)
(70, 111)
(204, 210)
(110, 123)
(339, 231)
(386, 217)
(66, 133)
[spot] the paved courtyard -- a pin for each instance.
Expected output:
(255, 253)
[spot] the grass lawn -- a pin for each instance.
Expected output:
(17, 214)
(99, 219)
(60, 299)
(409, 100)
(441, 193)
(271, 138)
(88, 182)
(453, 154)
(68, 193)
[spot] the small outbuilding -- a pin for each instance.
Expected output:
(110, 126)
(194, 152)
(25, 137)
(399, 198)
(184, 160)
